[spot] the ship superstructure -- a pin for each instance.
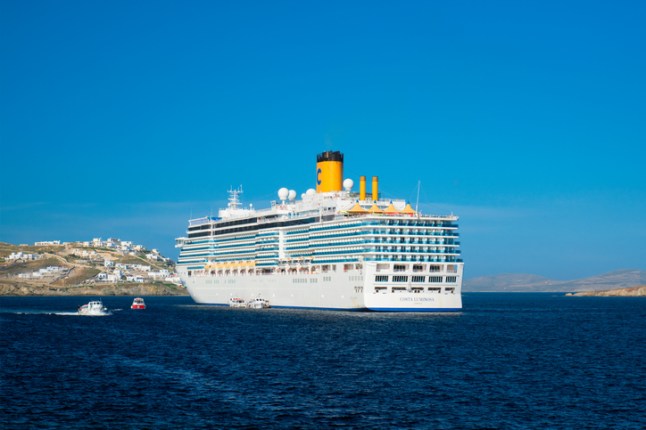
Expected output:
(332, 249)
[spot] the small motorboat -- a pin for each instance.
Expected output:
(258, 303)
(94, 308)
(237, 302)
(138, 303)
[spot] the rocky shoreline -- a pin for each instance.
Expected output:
(639, 291)
(104, 290)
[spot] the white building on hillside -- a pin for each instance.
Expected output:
(14, 256)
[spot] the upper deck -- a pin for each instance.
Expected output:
(331, 224)
(314, 207)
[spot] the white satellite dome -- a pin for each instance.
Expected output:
(292, 195)
(311, 192)
(348, 184)
(283, 193)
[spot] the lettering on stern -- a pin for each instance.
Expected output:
(416, 299)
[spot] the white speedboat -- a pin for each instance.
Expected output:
(237, 302)
(258, 304)
(94, 308)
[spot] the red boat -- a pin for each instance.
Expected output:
(138, 303)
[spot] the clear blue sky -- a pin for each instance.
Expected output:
(525, 118)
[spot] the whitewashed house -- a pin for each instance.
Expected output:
(161, 274)
(22, 256)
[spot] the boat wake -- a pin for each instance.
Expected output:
(30, 312)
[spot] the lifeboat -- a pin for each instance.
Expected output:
(138, 303)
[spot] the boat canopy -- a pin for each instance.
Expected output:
(390, 210)
(374, 209)
(357, 209)
(408, 210)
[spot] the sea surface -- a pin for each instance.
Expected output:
(507, 361)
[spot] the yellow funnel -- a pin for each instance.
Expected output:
(362, 188)
(375, 188)
(329, 171)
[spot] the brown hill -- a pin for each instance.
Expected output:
(639, 291)
(74, 272)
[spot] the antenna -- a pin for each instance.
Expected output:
(234, 201)
(419, 183)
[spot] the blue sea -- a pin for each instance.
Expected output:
(507, 361)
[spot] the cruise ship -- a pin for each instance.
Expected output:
(333, 248)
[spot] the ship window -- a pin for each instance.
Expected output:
(418, 268)
(400, 267)
(434, 268)
(435, 279)
(381, 278)
(419, 278)
(451, 279)
(400, 278)
(381, 267)
(450, 290)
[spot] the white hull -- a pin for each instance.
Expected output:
(292, 291)
(94, 314)
(335, 290)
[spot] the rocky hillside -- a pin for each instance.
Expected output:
(639, 291)
(79, 269)
(534, 283)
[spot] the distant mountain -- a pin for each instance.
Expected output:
(639, 291)
(514, 282)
